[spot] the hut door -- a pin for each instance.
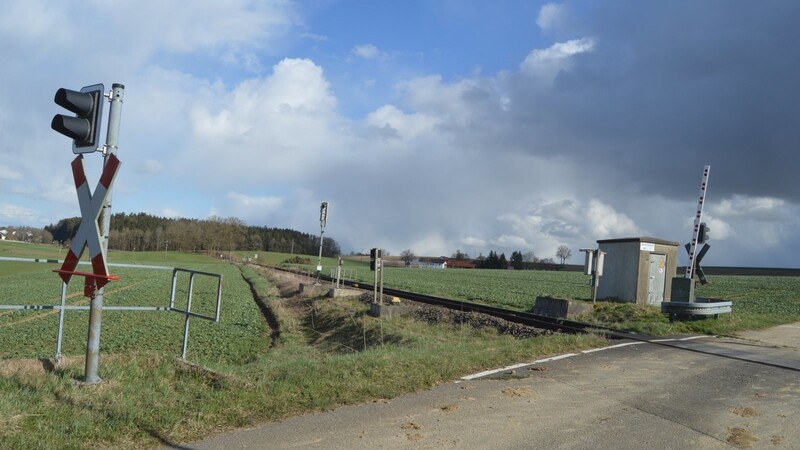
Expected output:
(658, 269)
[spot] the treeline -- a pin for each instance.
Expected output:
(25, 234)
(143, 232)
(518, 261)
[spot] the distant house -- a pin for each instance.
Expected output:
(3, 234)
(460, 263)
(429, 263)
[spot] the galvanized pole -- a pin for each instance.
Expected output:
(319, 261)
(323, 218)
(375, 283)
(61, 320)
(96, 306)
(381, 281)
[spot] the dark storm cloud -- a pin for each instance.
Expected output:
(672, 86)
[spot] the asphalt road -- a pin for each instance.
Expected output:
(703, 393)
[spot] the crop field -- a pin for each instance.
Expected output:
(32, 333)
(506, 288)
(758, 301)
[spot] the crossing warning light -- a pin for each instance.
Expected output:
(84, 127)
(374, 256)
(702, 233)
(323, 214)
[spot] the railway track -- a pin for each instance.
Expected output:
(520, 317)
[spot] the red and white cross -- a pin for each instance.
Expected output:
(88, 233)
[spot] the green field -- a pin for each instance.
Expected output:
(33, 333)
(315, 354)
(758, 301)
(265, 360)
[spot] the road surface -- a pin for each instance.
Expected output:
(701, 393)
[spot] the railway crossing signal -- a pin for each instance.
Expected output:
(374, 259)
(84, 127)
(89, 234)
(702, 233)
(376, 266)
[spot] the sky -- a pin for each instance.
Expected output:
(429, 125)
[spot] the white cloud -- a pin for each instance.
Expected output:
(550, 16)
(266, 128)
(471, 241)
(510, 241)
(755, 208)
(718, 228)
(10, 213)
(546, 64)
(242, 201)
(368, 51)
(408, 126)
(605, 222)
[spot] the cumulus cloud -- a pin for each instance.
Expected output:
(266, 127)
(755, 208)
(605, 222)
(395, 122)
(550, 16)
(546, 64)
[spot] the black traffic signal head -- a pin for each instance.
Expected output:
(84, 128)
(374, 255)
(702, 233)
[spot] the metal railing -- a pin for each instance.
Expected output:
(188, 313)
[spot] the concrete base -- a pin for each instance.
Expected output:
(389, 310)
(560, 308)
(703, 307)
(335, 293)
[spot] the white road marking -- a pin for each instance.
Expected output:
(568, 355)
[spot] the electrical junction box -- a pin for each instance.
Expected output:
(638, 270)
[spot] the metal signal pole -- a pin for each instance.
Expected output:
(96, 308)
(323, 219)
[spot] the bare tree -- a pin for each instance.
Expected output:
(407, 256)
(530, 257)
(460, 255)
(563, 253)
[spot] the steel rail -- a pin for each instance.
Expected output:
(520, 317)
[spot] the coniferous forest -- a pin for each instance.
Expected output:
(143, 232)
